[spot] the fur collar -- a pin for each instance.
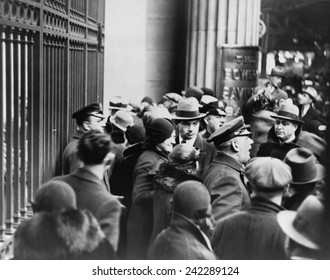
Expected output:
(64, 235)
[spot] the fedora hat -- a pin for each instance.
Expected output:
(305, 225)
(194, 91)
(188, 109)
(288, 112)
(304, 166)
(118, 103)
(311, 92)
(122, 119)
(278, 71)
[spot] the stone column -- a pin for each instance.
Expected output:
(213, 23)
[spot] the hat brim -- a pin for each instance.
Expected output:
(188, 118)
(113, 121)
(288, 119)
(320, 174)
(120, 108)
(285, 219)
(97, 115)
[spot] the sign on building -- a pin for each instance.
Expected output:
(237, 76)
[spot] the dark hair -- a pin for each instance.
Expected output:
(93, 147)
(80, 120)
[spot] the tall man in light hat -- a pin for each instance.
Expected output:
(225, 178)
(87, 118)
(188, 119)
(286, 134)
(307, 112)
(238, 235)
(307, 176)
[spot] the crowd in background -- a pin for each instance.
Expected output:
(185, 178)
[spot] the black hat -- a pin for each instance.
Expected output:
(135, 134)
(158, 130)
(93, 109)
(194, 91)
(229, 130)
(214, 109)
(278, 71)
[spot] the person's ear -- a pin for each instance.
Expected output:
(234, 145)
(86, 126)
(206, 120)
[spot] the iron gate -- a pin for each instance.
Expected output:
(51, 64)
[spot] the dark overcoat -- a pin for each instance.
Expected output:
(166, 180)
(140, 219)
(92, 195)
(182, 240)
(250, 235)
(311, 115)
(225, 181)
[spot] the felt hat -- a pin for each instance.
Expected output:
(188, 109)
(229, 130)
(278, 71)
(122, 119)
(135, 134)
(288, 112)
(54, 196)
(93, 109)
(267, 174)
(158, 130)
(207, 91)
(147, 99)
(305, 225)
(190, 196)
(311, 92)
(118, 103)
(304, 166)
(173, 96)
(194, 91)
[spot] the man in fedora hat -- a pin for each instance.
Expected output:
(282, 137)
(87, 118)
(269, 96)
(224, 178)
(307, 112)
(306, 173)
(305, 229)
(286, 134)
(188, 119)
(238, 235)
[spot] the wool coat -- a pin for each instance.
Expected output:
(250, 235)
(140, 219)
(182, 240)
(166, 180)
(225, 180)
(311, 115)
(69, 235)
(92, 195)
(71, 162)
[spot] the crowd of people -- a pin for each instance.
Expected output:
(179, 179)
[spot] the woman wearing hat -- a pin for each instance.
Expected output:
(158, 144)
